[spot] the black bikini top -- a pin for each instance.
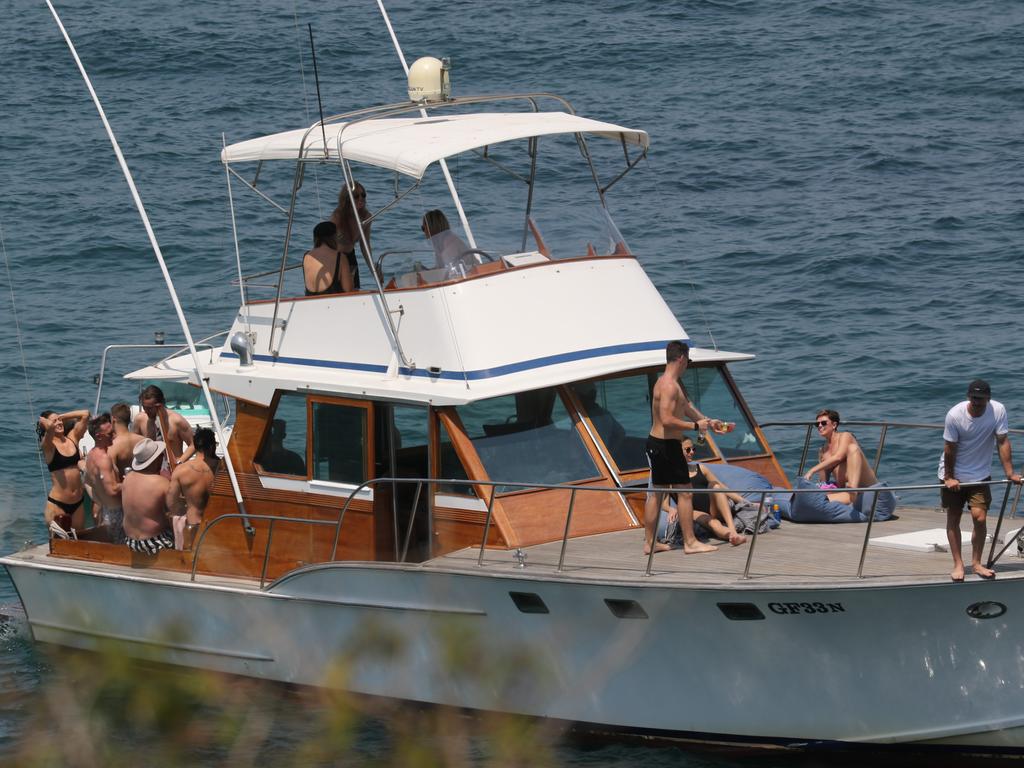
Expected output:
(335, 286)
(60, 461)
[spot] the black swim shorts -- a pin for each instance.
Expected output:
(668, 464)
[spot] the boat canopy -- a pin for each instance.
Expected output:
(409, 145)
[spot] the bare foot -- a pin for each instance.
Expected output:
(983, 572)
(957, 574)
(736, 539)
(659, 547)
(697, 547)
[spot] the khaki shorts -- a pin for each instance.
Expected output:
(973, 496)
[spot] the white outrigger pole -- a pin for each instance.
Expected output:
(423, 112)
(163, 267)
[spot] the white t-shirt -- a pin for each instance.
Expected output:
(975, 439)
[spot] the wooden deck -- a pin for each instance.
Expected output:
(794, 553)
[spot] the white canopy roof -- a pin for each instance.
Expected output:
(409, 145)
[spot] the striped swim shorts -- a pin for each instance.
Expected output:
(163, 540)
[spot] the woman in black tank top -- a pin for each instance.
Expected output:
(325, 261)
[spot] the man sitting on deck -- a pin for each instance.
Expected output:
(189, 490)
(841, 462)
(143, 496)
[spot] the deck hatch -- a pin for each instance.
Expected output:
(529, 602)
(741, 611)
(625, 609)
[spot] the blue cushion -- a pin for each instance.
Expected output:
(747, 480)
(815, 507)
(883, 509)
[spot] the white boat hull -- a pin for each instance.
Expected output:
(860, 665)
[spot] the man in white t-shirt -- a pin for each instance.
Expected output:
(973, 428)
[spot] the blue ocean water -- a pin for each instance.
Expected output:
(833, 186)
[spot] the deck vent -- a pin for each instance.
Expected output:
(528, 602)
(626, 609)
(741, 611)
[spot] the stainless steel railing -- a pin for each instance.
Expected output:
(885, 426)
(760, 493)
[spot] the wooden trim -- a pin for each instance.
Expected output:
(449, 419)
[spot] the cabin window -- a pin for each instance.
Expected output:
(527, 437)
(340, 443)
(620, 410)
(712, 394)
(284, 448)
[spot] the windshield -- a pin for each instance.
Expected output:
(620, 409)
(528, 437)
(184, 398)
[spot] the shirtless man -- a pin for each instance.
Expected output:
(191, 481)
(124, 439)
(158, 423)
(840, 459)
(102, 477)
(665, 450)
(144, 495)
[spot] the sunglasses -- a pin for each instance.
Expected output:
(359, 195)
(822, 423)
(691, 449)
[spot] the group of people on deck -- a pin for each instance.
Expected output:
(973, 428)
(149, 477)
(331, 267)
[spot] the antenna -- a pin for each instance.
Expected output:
(203, 381)
(319, 101)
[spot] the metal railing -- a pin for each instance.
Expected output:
(885, 426)
(176, 350)
(574, 490)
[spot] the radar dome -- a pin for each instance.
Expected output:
(428, 80)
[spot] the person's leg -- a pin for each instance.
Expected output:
(652, 508)
(979, 500)
(859, 473)
(720, 507)
(953, 503)
(691, 545)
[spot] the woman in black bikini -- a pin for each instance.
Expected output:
(60, 452)
(323, 270)
(344, 218)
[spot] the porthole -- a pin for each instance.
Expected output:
(986, 609)
(741, 611)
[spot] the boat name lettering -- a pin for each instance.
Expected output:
(784, 608)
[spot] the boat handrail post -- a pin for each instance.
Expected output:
(412, 519)
(487, 526)
(344, 509)
(881, 445)
(296, 183)
(1013, 513)
(234, 237)
(757, 527)
(346, 172)
(867, 531)
(266, 554)
(565, 536)
(999, 522)
(803, 456)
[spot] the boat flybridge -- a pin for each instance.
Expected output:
(460, 443)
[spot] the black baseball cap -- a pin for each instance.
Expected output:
(979, 388)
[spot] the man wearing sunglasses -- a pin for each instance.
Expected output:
(973, 428)
(841, 462)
